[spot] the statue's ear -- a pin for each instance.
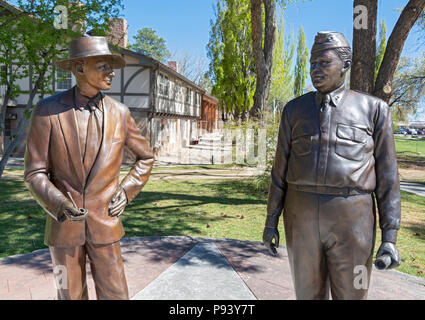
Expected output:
(79, 68)
(347, 65)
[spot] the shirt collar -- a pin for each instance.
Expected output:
(80, 101)
(336, 96)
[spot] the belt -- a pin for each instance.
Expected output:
(348, 191)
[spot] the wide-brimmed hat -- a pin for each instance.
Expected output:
(325, 40)
(86, 47)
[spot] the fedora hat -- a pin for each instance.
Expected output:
(86, 47)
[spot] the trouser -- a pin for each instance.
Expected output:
(330, 241)
(106, 266)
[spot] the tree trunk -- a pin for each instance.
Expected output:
(6, 99)
(408, 17)
(263, 54)
(364, 47)
(21, 127)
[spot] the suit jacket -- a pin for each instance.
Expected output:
(54, 167)
(349, 151)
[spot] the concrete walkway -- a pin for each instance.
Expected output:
(416, 188)
(222, 173)
(185, 268)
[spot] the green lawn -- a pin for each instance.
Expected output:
(413, 148)
(204, 208)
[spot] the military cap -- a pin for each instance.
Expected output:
(325, 40)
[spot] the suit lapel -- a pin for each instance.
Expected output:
(109, 125)
(69, 127)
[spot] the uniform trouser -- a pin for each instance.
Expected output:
(106, 266)
(330, 241)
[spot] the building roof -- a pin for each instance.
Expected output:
(151, 62)
(209, 97)
(143, 59)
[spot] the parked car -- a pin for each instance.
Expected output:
(421, 131)
(413, 131)
(403, 131)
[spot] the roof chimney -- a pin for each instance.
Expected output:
(173, 65)
(118, 32)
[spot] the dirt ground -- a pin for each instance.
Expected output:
(409, 170)
(175, 173)
(412, 170)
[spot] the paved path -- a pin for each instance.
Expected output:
(192, 268)
(416, 188)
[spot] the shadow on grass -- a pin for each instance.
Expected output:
(417, 230)
(22, 221)
(143, 218)
(406, 159)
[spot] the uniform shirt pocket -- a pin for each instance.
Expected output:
(302, 139)
(350, 142)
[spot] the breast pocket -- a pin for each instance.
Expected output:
(350, 142)
(302, 139)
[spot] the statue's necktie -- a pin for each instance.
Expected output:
(324, 117)
(324, 107)
(94, 135)
(324, 113)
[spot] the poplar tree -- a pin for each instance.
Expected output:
(232, 67)
(301, 71)
(282, 79)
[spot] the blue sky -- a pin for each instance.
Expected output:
(185, 24)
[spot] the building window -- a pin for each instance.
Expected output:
(188, 96)
(176, 95)
(63, 80)
(198, 99)
(164, 85)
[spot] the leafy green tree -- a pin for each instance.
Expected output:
(149, 43)
(282, 79)
(301, 71)
(408, 87)
(32, 40)
(232, 67)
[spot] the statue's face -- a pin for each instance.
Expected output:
(327, 71)
(98, 73)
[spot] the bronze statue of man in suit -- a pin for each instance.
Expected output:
(73, 156)
(335, 154)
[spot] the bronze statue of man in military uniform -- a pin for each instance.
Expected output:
(335, 155)
(72, 165)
